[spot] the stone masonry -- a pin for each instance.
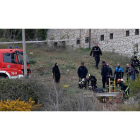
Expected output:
(122, 41)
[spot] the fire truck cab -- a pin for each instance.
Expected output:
(12, 64)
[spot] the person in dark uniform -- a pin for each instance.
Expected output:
(118, 72)
(92, 81)
(104, 73)
(82, 71)
(96, 54)
(56, 73)
(110, 73)
(109, 70)
(135, 64)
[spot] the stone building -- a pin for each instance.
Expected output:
(122, 41)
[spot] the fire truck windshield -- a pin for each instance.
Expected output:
(20, 57)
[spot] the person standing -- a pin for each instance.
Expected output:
(118, 72)
(82, 71)
(109, 70)
(104, 73)
(56, 73)
(109, 74)
(96, 54)
(135, 64)
(130, 71)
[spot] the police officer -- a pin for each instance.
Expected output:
(109, 74)
(96, 54)
(109, 70)
(118, 72)
(135, 64)
(82, 71)
(104, 73)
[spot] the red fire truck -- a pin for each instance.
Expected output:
(12, 64)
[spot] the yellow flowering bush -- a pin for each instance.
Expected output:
(18, 105)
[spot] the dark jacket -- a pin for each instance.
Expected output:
(92, 79)
(96, 51)
(130, 71)
(135, 63)
(82, 72)
(104, 70)
(109, 71)
(56, 72)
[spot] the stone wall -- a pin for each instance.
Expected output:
(120, 43)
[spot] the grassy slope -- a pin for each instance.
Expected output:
(68, 60)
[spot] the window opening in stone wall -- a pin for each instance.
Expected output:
(55, 44)
(111, 36)
(102, 37)
(127, 33)
(136, 31)
(78, 41)
(63, 43)
(87, 40)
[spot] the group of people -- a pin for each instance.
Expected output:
(106, 71)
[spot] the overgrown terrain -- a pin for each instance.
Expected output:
(42, 59)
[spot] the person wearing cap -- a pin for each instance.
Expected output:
(104, 73)
(130, 71)
(118, 72)
(96, 54)
(82, 71)
(135, 64)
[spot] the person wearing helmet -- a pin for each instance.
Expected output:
(92, 81)
(104, 73)
(118, 72)
(130, 71)
(96, 54)
(82, 71)
(83, 83)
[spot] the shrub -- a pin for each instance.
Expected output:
(52, 97)
(18, 105)
(32, 61)
(133, 103)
